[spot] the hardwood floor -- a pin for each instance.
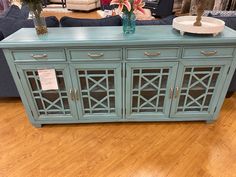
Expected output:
(193, 149)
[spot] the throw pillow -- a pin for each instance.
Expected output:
(5, 25)
(146, 16)
(164, 21)
(219, 13)
(167, 20)
(230, 21)
(148, 22)
(10, 25)
(13, 12)
(24, 11)
(28, 23)
(77, 22)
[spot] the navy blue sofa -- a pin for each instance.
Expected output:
(10, 22)
(110, 21)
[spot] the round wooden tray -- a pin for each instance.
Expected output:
(209, 25)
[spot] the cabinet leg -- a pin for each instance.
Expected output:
(210, 121)
(37, 125)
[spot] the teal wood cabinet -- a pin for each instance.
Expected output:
(51, 105)
(97, 90)
(149, 89)
(104, 76)
(198, 87)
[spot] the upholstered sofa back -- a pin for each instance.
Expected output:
(110, 21)
(12, 20)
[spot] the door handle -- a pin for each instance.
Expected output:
(72, 96)
(176, 92)
(76, 94)
(171, 93)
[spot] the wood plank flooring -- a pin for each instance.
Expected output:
(193, 149)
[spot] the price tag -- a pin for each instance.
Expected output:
(48, 79)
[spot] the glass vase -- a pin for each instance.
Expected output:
(39, 20)
(128, 22)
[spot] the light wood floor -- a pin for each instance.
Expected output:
(194, 149)
(185, 149)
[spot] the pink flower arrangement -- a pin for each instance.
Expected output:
(129, 5)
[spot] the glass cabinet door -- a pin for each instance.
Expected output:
(48, 104)
(149, 89)
(198, 87)
(99, 90)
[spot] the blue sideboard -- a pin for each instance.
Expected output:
(104, 76)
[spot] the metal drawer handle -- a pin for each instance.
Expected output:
(152, 54)
(39, 56)
(95, 55)
(177, 92)
(171, 93)
(209, 53)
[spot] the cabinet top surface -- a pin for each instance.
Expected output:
(100, 36)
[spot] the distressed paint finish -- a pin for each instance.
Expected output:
(105, 76)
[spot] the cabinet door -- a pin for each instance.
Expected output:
(198, 87)
(149, 88)
(48, 105)
(99, 97)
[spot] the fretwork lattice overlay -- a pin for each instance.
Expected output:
(53, 102)
(198, 87)
(149, 89)
(97, 90)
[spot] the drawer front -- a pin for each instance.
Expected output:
(208, 52)
(152, 53)
(95, 54)
(39, 55)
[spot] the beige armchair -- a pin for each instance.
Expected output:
(83, 5)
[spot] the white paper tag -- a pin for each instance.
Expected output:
(48, 79)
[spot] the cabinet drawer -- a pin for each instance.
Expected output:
(39, 55)
(208, 52)
(95, 54)
(152, 53)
